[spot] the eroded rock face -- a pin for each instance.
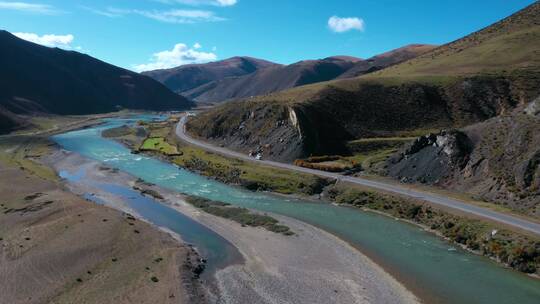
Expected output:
(273, 131)
(533, 108)
(431, 158)
(497, 160)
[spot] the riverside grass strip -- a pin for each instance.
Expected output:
(240, 215)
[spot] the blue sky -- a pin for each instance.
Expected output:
(146, 34)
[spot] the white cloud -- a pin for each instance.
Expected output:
(340, 25)
(197, 45)
(169, 16)
(226, 2)
(50, 40)
(181, 54)
(29, 7)
(203, 2)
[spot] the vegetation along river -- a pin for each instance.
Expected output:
(430, 266)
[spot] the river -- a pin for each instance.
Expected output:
(434, 269)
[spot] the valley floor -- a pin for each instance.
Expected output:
(310, 267)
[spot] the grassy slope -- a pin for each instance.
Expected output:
(30, 72)
(512, 43)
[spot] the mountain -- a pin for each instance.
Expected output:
(272, 79)
(279, 78)
(35, 78)
(241, 77)
(496, 160)
(387, 59)
(472, 79)
(190, 76)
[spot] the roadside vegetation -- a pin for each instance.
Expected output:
(330, 163)
(246, 174)
(239, 215)
(364, 154)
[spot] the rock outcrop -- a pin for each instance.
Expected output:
(497, 160)
(431, 158)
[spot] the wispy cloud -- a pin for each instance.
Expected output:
(201, 2)
(50, 40)
(340, 25)
(181, 54)
(180, 16)
(106, 12)
(34, 8)
(170, 16)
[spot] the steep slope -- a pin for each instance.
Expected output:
(273, 79)
(485, 74)
(496, 160)
(35, 78)
(387, 59)
(189, 76)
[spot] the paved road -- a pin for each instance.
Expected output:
(432, 198)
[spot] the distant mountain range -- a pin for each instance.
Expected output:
(241, 77)
(482, 75)
(387, 59)
(38, 79)
(190, 76)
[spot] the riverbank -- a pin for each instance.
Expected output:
(58, 248)
(299, 269)
(509, 248)
(85, 177)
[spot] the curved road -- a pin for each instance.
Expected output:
(432, 198)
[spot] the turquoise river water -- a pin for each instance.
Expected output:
(436, 270)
